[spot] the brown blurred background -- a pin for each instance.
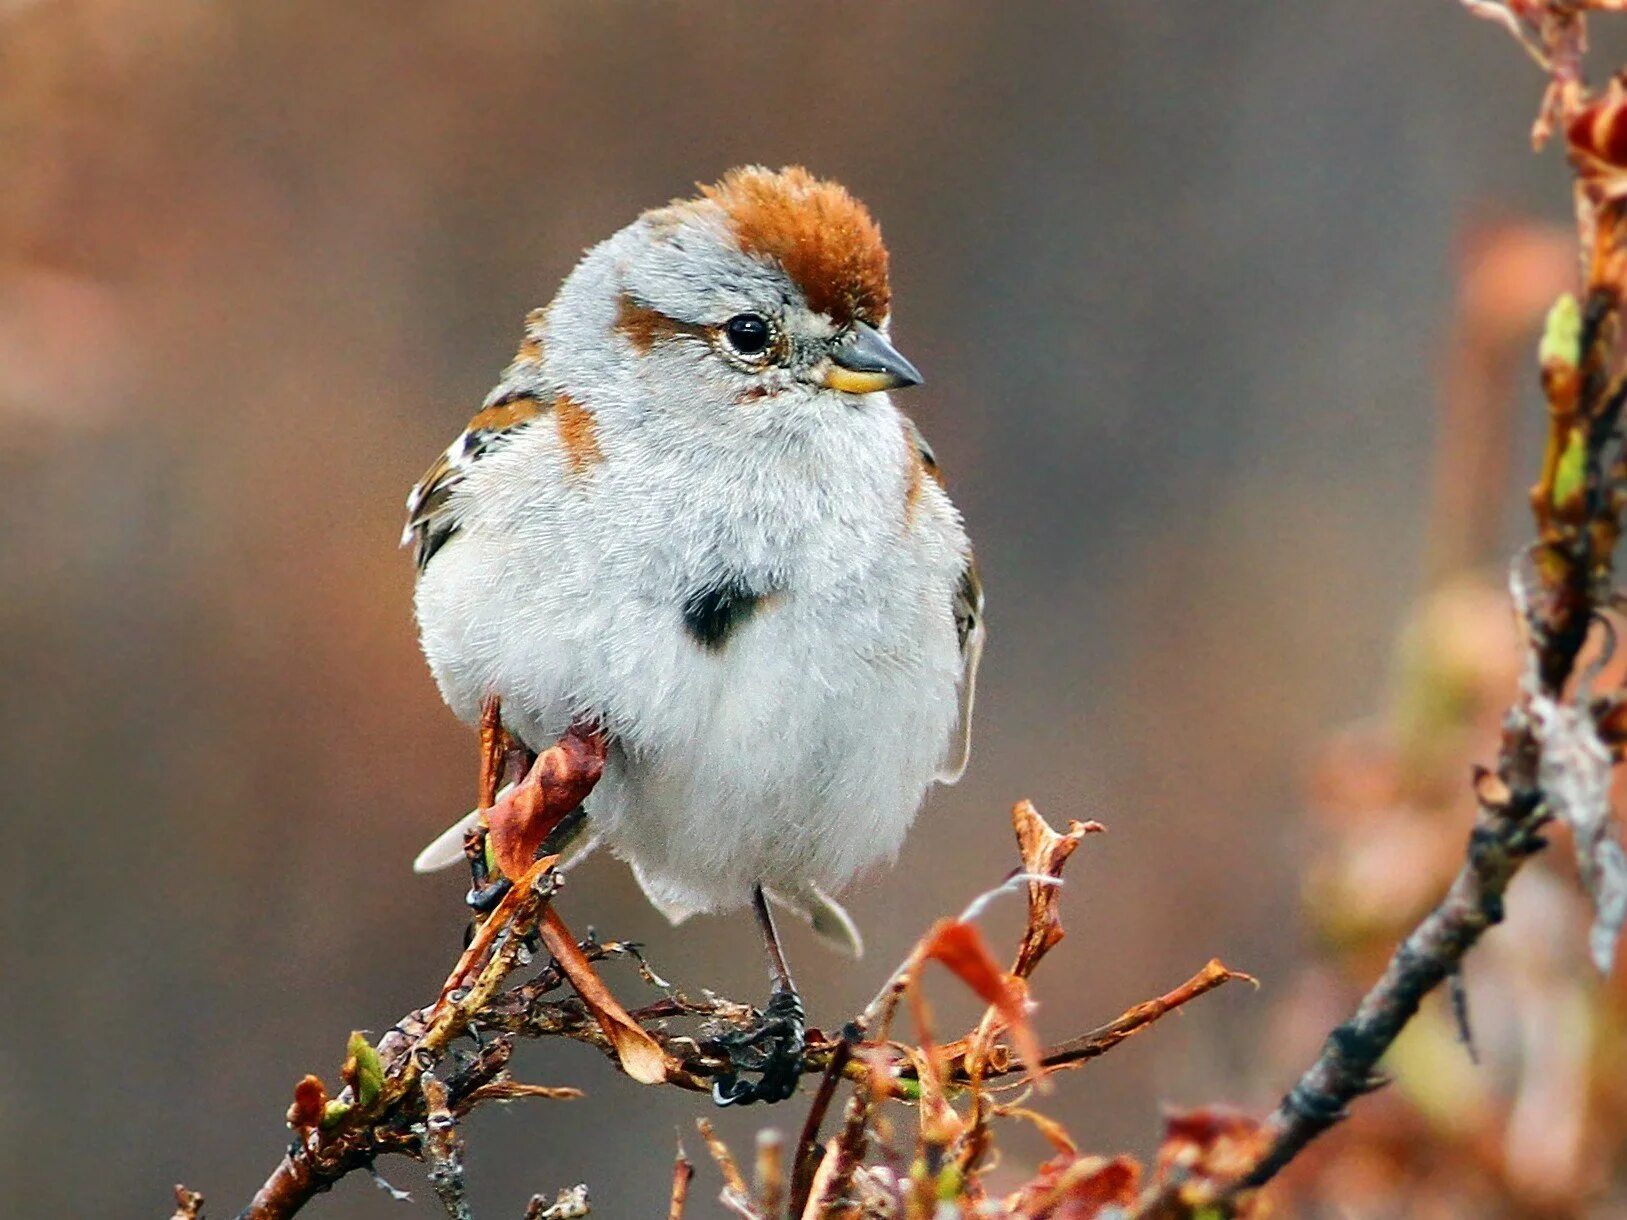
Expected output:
(1180, 276)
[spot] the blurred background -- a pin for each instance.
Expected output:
(1190, 285)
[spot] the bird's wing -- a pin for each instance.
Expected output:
(432, 517)
(519, 398)
(968, 611)
(967, 608)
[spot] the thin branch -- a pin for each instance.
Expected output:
(1577, 507)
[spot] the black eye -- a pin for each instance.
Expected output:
(748, 333)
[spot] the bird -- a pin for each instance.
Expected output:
(691, 546)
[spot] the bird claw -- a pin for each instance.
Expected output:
(483, 899)
(773, 1047)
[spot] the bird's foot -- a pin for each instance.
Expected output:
(771, 1049)
(483, 899)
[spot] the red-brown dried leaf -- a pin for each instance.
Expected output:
(962, 949)
(1598, 145)
(1077, 1188)
(310, 1100)
(558, 782)
(1212, 1144)
(1044, 852)
(641, 1057)
(1054, 1132)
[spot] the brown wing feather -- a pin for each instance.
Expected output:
(431, 521)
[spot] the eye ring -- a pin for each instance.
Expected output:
(750, 336)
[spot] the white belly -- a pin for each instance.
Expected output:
(795, 752)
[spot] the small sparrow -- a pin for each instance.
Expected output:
(690, 543)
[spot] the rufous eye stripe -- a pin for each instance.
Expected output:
(644, 327)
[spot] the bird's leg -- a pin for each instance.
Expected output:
(501, 756)
(775, 1044)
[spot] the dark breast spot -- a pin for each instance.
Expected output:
(712, 613)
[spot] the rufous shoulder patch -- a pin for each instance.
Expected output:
(511, 413)
(825, 239)
(578, 434)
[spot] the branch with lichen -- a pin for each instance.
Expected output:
(523, 976)
(1560, 740)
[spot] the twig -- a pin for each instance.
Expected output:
(1076, 1051)
(807, 1152)
(366, 1129)
(443, 1149)
(683, 1173)
(770, 1172)
(1577, 507)
(1347, 1066)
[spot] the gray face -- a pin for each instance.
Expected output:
(670, 311)
(741, 322)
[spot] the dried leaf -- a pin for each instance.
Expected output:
(940, 1124)
(504, 1091)
(962, 949)
(310, 1100)
(1054, 1132)
(1211, 1145)
(1598, 146)
(1044, 852)
(1077, 1188)
(641, 1057)
(521, 819)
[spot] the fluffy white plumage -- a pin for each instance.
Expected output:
(567, 544)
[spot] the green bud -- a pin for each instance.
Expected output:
(950, 1183)
(333, 1112)
(1562, 334)
(369, 1071)
(1572, 468)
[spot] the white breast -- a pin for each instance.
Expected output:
(799, 749)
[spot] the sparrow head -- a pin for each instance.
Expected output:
(767, 290)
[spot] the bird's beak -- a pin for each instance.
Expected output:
(864, 362)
